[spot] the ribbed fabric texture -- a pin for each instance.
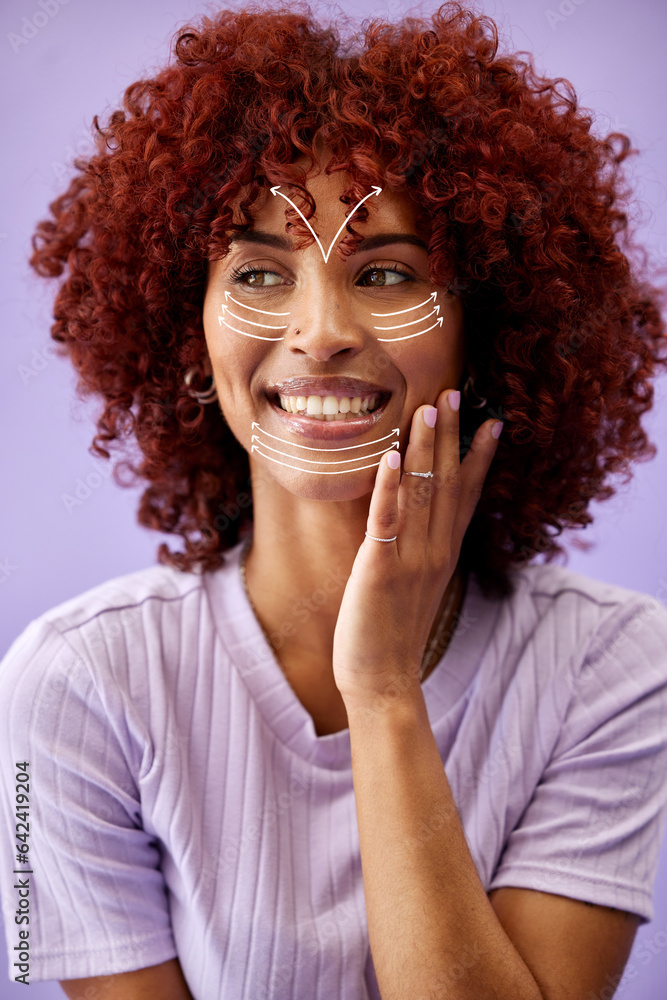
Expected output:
(182, 803)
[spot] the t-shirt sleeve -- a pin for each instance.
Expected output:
(97, 903)
(593, 827)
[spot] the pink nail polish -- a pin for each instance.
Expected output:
(430, 417)
(454, 399)
(497, 428)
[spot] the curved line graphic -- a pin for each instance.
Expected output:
(400, 326)
(315, 472)
(399, 312)
(377, 191)
(342, 461)
(228, 295)
(266, 326)
(349, 447)
(255, 336)
(392, 339)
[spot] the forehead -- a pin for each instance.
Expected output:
(390, 211)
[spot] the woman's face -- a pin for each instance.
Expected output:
(373, 333)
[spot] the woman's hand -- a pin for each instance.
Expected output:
(395, 588)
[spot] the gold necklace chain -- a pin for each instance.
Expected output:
(432, 652)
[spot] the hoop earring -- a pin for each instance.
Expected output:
(205, 396)
(468, 391)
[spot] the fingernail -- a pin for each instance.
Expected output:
(454, 400)
(393, 459)
(430, 416)
(497, 428)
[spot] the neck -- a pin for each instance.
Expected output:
(297, 567)
(296, 574)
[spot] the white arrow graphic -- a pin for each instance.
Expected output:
(431, 298)
(255, 336)
(228, 296)
(437, 322)
(315, 461)
(412, 322)
(349, 447)
(376, 191)
(266, 326)
(315, 472)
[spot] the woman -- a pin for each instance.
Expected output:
(314, 283)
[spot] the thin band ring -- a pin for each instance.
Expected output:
(424, 475)
(381, 539)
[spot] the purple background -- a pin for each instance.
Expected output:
(78, 60)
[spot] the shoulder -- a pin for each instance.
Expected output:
(136, 635)
(550, 581)
(580, 722)
(588, 656)
(160, 584)
(584, 613)
(565, 645)
(124, 657)
(94, 635)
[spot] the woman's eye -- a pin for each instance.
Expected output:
(381, 276)
(259, 278)
(375, 277)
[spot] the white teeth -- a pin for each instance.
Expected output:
(329, 407)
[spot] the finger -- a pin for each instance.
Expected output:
(415, 494)
(383, 510)
(474, 470)
(447, 483)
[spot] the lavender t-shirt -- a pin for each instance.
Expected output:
(182, 804)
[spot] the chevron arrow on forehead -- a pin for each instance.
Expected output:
(276, 190)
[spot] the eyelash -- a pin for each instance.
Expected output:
(237, 274)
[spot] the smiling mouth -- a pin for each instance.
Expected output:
(341, 409)
(330, 426)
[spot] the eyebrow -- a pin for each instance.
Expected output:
(370, 243)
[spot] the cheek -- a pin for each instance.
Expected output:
(232, 356)
(430, 366)
(235, 361)
(210, 323)
(233, 367)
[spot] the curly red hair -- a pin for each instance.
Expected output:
(522, 204)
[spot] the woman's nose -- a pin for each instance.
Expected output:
(324, 325)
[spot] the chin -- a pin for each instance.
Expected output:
(344, 487)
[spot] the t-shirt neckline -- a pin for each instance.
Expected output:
(255, 662)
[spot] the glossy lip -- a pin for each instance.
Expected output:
(332, 385)
(328, 430)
